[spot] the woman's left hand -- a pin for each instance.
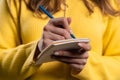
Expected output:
(76, 59)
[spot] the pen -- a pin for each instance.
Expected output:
(50, 16)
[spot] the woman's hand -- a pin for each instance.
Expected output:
(76, 59)
(56, 29)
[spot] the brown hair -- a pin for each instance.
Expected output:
(104, 5)
(55, 5)
(51, 5)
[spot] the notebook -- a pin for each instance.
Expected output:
(45, 55)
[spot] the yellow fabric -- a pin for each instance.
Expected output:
(17, 24)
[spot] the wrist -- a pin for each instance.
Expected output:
(37, 50)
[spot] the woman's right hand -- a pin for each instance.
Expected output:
(56, 29)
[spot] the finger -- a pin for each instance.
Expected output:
(84, 46)
(70, 60)
(52, 36)
(57, 30)
(77, 68)
(60, 22)
(71, 54)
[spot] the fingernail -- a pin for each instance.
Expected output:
(80, 44)
(56, 53)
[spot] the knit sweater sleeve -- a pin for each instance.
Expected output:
(15, 58)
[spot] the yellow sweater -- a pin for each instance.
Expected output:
(19, 25)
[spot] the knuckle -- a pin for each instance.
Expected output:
(63, 19)
(88, 47)
(50, 21)
(86, 55)
(84, 61)
(81, 67)
(65, 32)
(46, 27)
(44, 35)
(61, 38)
